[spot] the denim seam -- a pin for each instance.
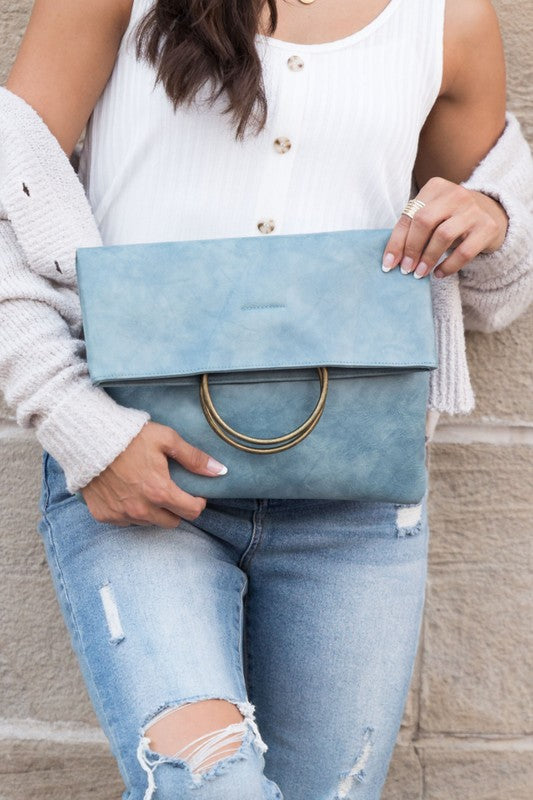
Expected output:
(249, 660)
(259, 513)
(76, 626)
(243, 655)
(257, 532)
(46, 498)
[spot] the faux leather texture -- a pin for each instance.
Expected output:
(259, 314)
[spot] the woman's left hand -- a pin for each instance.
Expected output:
(467, 220)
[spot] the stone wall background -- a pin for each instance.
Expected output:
(467, 732)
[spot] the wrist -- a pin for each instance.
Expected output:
(496, 210)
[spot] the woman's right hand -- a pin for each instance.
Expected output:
(136, 488)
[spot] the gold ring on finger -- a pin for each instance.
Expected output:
(412, 207)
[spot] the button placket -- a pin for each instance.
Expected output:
(281, 138)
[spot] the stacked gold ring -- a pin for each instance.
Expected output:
(412, 207)
(303, 430)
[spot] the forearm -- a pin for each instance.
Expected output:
(497, 286)
(44, 374)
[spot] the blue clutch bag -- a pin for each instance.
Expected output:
(293, 359)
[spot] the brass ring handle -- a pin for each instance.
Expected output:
(299, 433)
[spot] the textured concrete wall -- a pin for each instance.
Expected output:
(468, 725)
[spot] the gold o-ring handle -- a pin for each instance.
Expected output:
(299, 433)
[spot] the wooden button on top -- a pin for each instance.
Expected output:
(282, 144)
(295, 63)
(266, 225)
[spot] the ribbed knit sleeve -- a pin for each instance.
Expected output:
(497, 287)
(44, 374)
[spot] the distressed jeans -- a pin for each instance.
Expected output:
(303, 613)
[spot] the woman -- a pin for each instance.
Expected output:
(306, 612)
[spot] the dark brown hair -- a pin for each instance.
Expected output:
(190, 42)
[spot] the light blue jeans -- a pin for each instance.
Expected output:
(303, 613)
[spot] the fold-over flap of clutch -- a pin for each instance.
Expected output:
(170, 309)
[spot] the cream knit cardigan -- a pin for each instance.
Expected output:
(45, 216)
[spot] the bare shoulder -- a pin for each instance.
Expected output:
(468, 116)
(472, 35)
(65, 58)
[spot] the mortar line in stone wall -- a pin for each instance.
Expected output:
(59, 732)
(496, 433)
(11, 430)
(457, 741)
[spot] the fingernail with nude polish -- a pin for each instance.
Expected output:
(216, 467)
(420, 271)
(388, 262)
(405, 266)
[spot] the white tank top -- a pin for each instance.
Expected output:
(337, 151)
